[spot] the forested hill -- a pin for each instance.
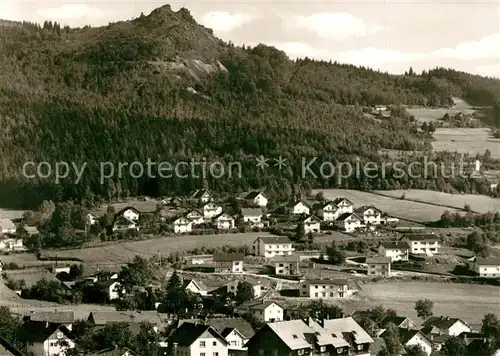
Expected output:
(163, 87)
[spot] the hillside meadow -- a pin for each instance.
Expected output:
(403, 209)
(478, 203)
(466, 141)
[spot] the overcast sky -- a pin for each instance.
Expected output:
(391, 36)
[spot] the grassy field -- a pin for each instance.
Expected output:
(123, 252)
(11, 214)
(479, 203)
(467, 301)
(433, 114)
(464, 140)
(404, 209)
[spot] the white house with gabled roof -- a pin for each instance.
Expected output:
(270, 246)
(349, 222)
(300, 208)
(344, 205)
(311, 224)
(183, 225)
(196, 217)
(224, 222)
(257, 198)
(369, 214)
(329, 211)
(211, 210)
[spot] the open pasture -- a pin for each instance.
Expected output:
(478, 203)
(468, 301)
(403, 209)
(120, 253)
(467, 141)
(424, 114)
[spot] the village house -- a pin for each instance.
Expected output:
(344, 205)
(224, 222)
(52, 318)
(439, 325)
(211, 210)
(197, 339)
(102, 318)
(379, 266)
(202, 196)
(370, 215)
(252, 217)
(121, 223)
(130, 213)
(263, 310)
(46, 339)
(270, 246)
(236, 331)
(485, 267)
(11, 243)
(91, 219)
(329, 211)
(110, 288)
(287, 265)
(411, 337)
(396, 250)
(349, 222)
(7, 226)
(232, 288)
(324, 288)
(311, 224)
(183, 225)
(199, 259)
(195, 287)
(400, 321)
(27, 231)
(311, 337)
(229, 262)
(299, 208)
(423, 244)
(113, 351)
(196, 217)
(256, 198)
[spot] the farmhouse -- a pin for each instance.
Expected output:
(270, 246)
(110, 288)
(200, 259)
(379, 266)
(485, 267)
(348, 329)
(102, 318)
(11, 243)
(130, 213)
(183, 225)
(196, 217)
(310, 224)
(46, 339)
(396, 250)
(224, 222)
(324, 288)
(344, 205)
(197, 339)
(252, 217)
(423, 244)
(124, 224)
(256, 198)
(263, 310)
(349, 222)
(27, 231)
(229, 262)
(439, 325)
(287, 265)
(329, 211)
(410, 337)
(202, 195)
(297, 337)
(232, 287)
(400, 321)
(370, 215)
(195, 287)
(211, 210)
(299, 208)
(7, 226)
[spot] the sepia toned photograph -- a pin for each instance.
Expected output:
(250, 178)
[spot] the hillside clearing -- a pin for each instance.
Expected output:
(468, 301)
(119, 253)
(424, 114)
(467, 141)
(404, 209)
(478, 203)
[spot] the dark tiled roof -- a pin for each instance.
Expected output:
(275, 239)
(118, 351)
(199, 193)
(39, 332)
(378, 260)
(256, 304)
(252, 195)
(251, 212)
(8, 347)
(406, 335)
(346, 215)
(221, 324)
(439, 322)
(338, 200)
(290, 258)
(228, 257)
(422, 237)
(61, 317)
(188, 333)
(491, 261)
(339, 282)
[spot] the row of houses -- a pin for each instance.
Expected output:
(50, 334)
(11, 236)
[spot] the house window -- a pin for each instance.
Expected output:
(322, 348)
(202, 354)
(360, 347)
(202, 343)
(300, 352)
(216, 354)
(315, 294)
(295, 336)
(215, 343)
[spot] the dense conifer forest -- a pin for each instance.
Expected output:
(163, 87)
